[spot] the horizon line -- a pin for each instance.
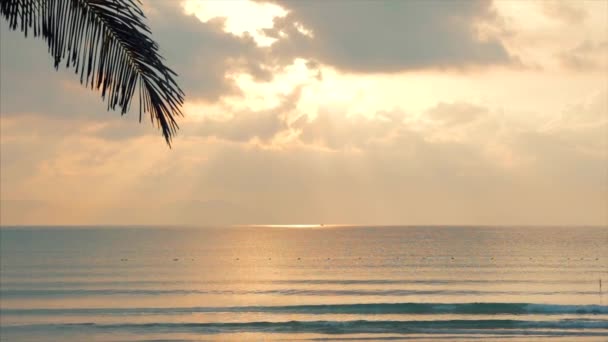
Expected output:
(303, 226)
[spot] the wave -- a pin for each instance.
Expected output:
(81, 284)
(345, 327)
(389, 262)
(141, 273)
(363, 309)
(26, 293)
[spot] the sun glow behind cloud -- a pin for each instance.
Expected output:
(323, 87)
(322, 132)
(290, 226)
(241, 16)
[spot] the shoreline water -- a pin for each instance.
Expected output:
(352, 283)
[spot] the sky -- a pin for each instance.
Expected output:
(335, 112)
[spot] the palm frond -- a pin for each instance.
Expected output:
(108, 43)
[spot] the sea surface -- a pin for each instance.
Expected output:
(304, 283)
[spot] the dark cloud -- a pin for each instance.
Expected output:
(361, 36)
(202, 53)
(389, 36)
(51, 102)
(30, 84)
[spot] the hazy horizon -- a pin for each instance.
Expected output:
(286, 226)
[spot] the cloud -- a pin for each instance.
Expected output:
(389, 36)
(240, 17)
(276, 142)
(202, 53)
(583, 126)
(357, 169)
(451, 114)
(586, 56)
(30, 83)
(564, 10)
(331, 129)
(590, 112)
(245, 125)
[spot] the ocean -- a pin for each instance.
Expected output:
(336, 283)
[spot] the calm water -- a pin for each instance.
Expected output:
(330, 283)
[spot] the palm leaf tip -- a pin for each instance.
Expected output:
(108, 43)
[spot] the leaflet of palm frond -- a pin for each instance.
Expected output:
(109, 45)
